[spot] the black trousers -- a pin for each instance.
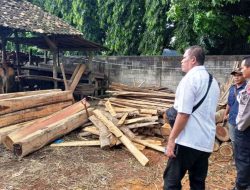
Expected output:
(187, 159)
(242, 158)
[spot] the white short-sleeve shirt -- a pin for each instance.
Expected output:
(199, 132)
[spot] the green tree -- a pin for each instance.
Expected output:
(122, 21)
(158, 31)
(210, 24)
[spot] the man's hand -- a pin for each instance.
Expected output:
(170, 149)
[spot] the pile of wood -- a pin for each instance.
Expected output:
(132, 117)
(141, 98)
(114, 126)
(222, 139)
(24, 138)
(22, 108)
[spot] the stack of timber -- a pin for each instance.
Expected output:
(22, 108)
(140, 98)
(135, 128)
(33, 135)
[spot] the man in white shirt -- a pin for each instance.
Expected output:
(192, 138)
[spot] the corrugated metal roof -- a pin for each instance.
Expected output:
(22, 15)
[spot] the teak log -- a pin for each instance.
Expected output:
(104, 132)
(148, 111)
(226, 149)
(216, 145)
(222, 133)
(122, 120)
(40, 138)
(28, 93)
(110, 108)
(15, 136)
(77, 143)
(130, 146)
(141, 119)
(7, 130)
(147, 144)
(92, 129)
(31, 113)
(20, 103)
(219, 116)
(115, 121)
(138, 125)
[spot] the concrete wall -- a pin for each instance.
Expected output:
(161, 71)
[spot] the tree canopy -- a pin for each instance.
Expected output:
(146, 27)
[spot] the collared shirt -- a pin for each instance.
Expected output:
(233, 103)
(199, 132)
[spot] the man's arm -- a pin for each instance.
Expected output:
(179, 125)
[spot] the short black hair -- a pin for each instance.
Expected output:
(198, 53)
(246, 61)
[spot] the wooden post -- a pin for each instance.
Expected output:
(77, 77)
(64, 77)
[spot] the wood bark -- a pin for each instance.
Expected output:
(114, 129)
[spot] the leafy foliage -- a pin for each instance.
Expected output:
(145, 27)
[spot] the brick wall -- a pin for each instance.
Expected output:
(160, 71)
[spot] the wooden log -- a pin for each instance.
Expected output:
(219, 116)
(138, 125)
(104, 132)
(27, 93)
(77, 143)
(20, 103)
(138, 155)
(139, 102)
(216, 145)
(149, 111)
(110, 108)
(9, 129)
(142, 94)
(124, 109)
(92, 129)
(40, 138)
(32, 113)
(222, 133)
(64, 77)
(141, 119)
(226, 149)
(122, 120)
(139, 146)
(147, 144)
(15, 136)
(115, 121)
(165, 129)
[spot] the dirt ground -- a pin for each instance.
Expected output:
(88, 168)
